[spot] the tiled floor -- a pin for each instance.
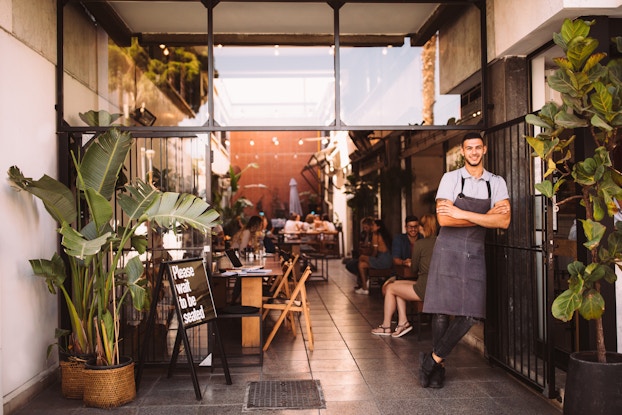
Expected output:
(359, 373)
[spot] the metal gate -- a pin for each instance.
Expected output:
(517, 334)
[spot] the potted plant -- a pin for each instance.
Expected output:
(95, 262)
(591, 95)
(231, 211)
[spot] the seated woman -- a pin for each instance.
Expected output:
(400, 291)
(248, 236)
(380, 258)
(292, 226)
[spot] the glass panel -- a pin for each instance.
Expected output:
(277, 82)
(148, 82)
(383, 86)
(381, 79)
(274, 86)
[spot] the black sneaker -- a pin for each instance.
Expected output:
(437, 377)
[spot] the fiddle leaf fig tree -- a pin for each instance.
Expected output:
(591, 94)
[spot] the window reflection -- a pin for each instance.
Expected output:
(383, 86)
(170, 82)
(274, 85)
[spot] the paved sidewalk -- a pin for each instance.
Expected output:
(359, 373)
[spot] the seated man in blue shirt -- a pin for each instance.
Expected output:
(402, 246)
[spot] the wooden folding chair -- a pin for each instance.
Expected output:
(296, 303)
(282, 285)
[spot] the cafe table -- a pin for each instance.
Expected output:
(252, 294)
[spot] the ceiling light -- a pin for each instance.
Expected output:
(252, 143)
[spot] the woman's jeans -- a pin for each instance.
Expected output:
(446, 334)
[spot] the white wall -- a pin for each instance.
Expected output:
(520, 27)
(28, 313)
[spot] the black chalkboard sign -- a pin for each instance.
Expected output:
(194, 304)
(191, 291)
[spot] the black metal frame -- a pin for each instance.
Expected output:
(518, 328)
(68, 135)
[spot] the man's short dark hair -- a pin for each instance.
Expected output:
(471, 135)
(411, 218)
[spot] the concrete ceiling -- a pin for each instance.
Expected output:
(290, 22)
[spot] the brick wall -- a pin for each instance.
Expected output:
(278, 164)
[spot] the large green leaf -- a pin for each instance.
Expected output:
(614, 245)
(594, 232)
(594, 272)
(138, 199)
(569, 120)
(538, 122)
(592, 306)
(134, 270)
(540, 147)
(593, 70)
(98, 118)
(100, 208)
(56, 197)
(575, 28)
(614, 67)
(601, 99)
(53, 270)
(77, 246)
(583, 172)
(565, 305)
(579, 50)
(171, 209)
(597, 121)
(560, 81)
(103, 161)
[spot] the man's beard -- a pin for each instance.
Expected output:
(466, 160)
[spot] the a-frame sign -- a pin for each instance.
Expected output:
(194, 305)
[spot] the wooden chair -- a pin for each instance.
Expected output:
(282, 285)
(296, 303)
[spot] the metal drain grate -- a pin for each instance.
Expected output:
(284, 394)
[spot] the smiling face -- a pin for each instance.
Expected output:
(412, 228)
(473, 151)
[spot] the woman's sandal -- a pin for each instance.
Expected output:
(402, 329)
(382, 331)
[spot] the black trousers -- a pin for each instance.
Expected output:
(446, 334)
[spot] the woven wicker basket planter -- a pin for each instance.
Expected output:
(72, 379)
(109, 386)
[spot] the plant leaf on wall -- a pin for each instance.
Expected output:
(56, 197)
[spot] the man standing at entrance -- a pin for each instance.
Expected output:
(469, 201)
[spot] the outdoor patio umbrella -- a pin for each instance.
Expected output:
(294, 197)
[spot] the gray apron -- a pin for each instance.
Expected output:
(457, 276)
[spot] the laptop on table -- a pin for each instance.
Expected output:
(237, 264)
